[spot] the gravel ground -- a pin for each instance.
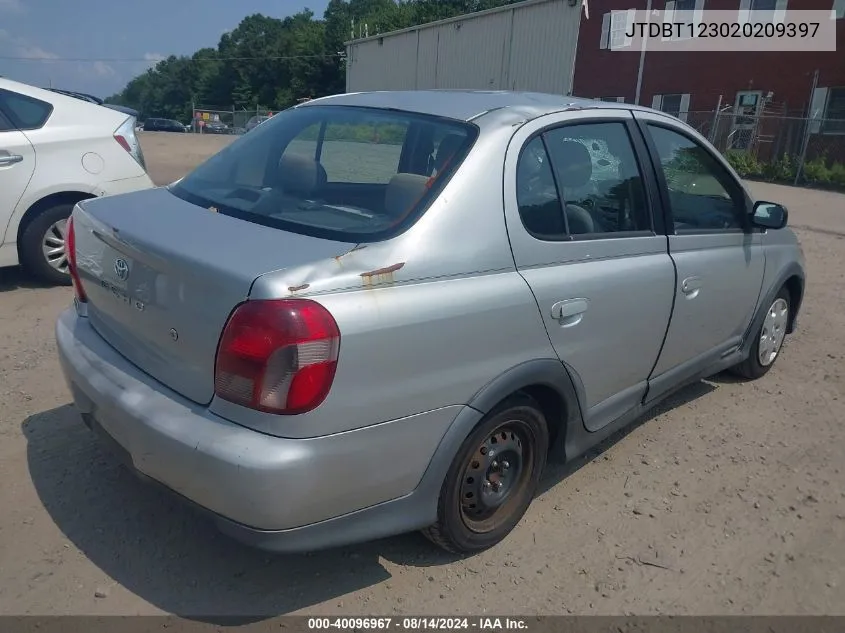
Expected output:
(725, 501)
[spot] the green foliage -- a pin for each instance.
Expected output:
(784, 168)
(744, 163)
(297, 57)
(816, 171)
(837, 174)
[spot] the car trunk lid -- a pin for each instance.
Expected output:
(162, 276)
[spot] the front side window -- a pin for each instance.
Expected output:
(346, 173)
(26, 113)
(703, 195)
(582, 180)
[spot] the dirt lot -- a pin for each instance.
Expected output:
(724, 502)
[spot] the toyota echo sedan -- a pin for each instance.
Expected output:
(383, 312)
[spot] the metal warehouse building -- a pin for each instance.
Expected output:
(525, 46)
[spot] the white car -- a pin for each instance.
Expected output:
(56, 150)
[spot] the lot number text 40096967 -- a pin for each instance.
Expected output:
(492, 624)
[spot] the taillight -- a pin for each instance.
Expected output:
(70, 252)
(127, 139)
(277, 356)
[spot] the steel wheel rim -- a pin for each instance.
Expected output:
(495, 475)
(773, 332)
(53, 246)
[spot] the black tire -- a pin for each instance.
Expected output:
(516, 429)
(31, 254)
(751, 368)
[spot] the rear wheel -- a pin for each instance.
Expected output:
(492, 479)
(42, 245)
(768, 339)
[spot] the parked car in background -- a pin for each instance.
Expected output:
(393, 327)
(216, 127)
(255, 121)
(55, 150)
(163, 125)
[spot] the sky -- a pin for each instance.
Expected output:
(97, 46)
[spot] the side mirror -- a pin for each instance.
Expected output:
(768, 215)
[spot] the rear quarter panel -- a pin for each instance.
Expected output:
(426, 319)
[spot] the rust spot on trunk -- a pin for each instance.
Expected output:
(298, 288)
(381, 275)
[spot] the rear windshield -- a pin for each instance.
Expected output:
(343, 173)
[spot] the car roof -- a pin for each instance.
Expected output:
(70, 103)
(466, 105)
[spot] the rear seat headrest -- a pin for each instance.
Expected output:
(301, 175)
(403, 191)
(448, 147)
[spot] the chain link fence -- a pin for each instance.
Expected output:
(786, 147)
(218, 120)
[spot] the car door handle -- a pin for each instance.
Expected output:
(10, 159)
(690, 286)
(570, 312)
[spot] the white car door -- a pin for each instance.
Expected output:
(17, 164)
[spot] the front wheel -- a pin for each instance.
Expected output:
(492, 479)
(768, 339)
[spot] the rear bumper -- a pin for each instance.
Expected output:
(276, 493)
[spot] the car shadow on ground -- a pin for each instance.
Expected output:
(15, 278)
(174, 559)
(557, 472)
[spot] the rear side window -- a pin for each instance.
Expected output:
(345, 173)
(582, 180)
(5, 124)
(25, 113)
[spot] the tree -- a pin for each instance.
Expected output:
(271, 63)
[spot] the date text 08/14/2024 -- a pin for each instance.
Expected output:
(419, 623)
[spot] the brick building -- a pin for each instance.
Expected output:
(689, 84)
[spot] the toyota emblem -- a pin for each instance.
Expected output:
(121, 269)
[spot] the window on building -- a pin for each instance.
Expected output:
(614, 26)
(834, 112)
(618, 22)
(616, 99)
(675, 104)
(671, 104)
(839, 9)
(690, 9)
(775, 8)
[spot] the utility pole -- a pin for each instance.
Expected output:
(806, 140)
(642, 55)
